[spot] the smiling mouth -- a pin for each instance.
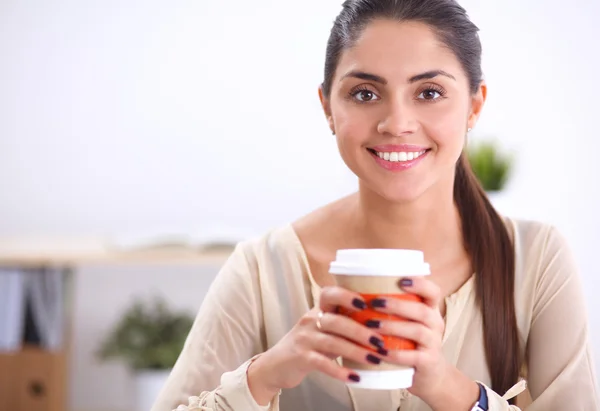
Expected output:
(398, 156)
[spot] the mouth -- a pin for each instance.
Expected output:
(399, 156)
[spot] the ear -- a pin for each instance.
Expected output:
(326, 108)
(477, 102)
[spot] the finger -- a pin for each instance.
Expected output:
(333, 297)
(331, 345)
(318, 361)
(352, 330)
(413, 311)
(409, 358)
(423, 287)
(425, 337)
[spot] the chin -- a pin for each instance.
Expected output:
(399, 193)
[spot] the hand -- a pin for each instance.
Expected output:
(307, 347)
(436, 382)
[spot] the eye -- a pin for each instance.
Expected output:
(431, 94)
(364, 95)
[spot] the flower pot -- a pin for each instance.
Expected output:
(147, 386)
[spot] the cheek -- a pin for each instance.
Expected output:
(354, 122)
(445, 125)
(353, 126)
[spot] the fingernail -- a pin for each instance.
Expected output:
(378, 303)
(373, 323)
(406, 282)
(382, 351)
(354, 377)
(372, 359)
(376, 342)
(360, 304)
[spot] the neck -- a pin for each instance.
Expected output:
(431, 224)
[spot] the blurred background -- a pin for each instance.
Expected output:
(140, 140)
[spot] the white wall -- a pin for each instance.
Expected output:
(102, 293)
(203, 116)
(170, 115)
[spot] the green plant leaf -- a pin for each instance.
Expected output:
(149, 335)
(491, 166)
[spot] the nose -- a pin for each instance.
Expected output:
(398, 120)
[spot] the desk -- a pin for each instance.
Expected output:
(41, 377)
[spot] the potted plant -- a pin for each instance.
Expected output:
(492, 167)
(490, 164)
(148, 338)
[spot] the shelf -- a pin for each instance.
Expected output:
(36, 253)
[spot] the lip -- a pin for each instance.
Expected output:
(398, 166)
(399, 147)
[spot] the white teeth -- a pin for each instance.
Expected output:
(400, 156)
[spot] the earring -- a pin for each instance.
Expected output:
(469, 130)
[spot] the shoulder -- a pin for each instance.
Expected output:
(535, 240)
(256, 263)
(257, 250)
(544, 269)
(544, 262)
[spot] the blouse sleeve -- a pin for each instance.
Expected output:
(559, 361)
(210, 373)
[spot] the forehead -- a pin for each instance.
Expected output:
(398, 51)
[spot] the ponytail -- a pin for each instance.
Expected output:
(487, 242)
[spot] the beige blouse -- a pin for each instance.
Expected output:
(266, 286)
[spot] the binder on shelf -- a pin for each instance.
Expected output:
(12, 309)
(33, 357)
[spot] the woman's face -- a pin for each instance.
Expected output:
(400, 106)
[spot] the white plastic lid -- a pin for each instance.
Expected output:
(380, 262)
(384, 380)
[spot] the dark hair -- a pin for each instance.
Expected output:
(486, 238)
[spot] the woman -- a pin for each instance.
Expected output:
(403, 85)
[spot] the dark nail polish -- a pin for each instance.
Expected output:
(360, 304)
(354, 377)
(378, 303)
(372, 359)
(382, 351)
(376, 342)
(373, 323)
(406, 282)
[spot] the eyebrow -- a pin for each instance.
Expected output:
(429, 75)
(378, 79)
(365, 76)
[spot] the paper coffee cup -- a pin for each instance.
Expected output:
(374, 273)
